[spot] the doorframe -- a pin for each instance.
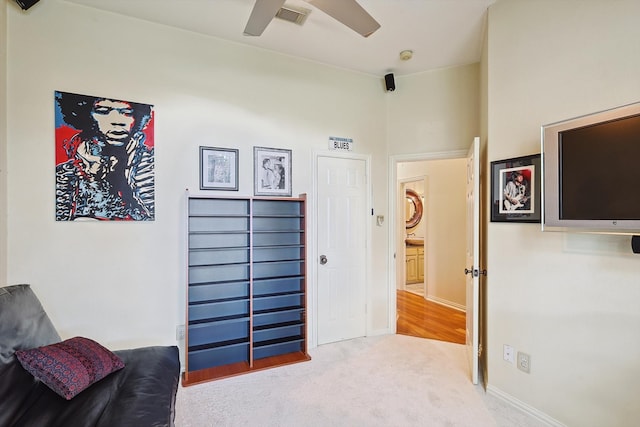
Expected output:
(312, 257)
(402, 254)
(394, 242)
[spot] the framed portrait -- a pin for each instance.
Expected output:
(218, 168)
(271, 171)
(515, 189)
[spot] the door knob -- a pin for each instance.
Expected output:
(323, 259)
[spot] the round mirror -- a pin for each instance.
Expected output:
(413, 210)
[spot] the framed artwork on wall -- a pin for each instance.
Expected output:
(218, 168)
(271, 171)
(515, 189)
(104, 158)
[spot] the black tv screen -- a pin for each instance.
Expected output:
(599, 171)
(590, 170)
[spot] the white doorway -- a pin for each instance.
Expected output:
(396, 197)
(413, 277)
(341, 247)
(441, 229)
(472, 268)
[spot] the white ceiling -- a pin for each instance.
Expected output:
(441, 33)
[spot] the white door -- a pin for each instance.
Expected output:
(341, 248)
(472, 269)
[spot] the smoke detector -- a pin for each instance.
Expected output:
(294, 14)
(406, 55)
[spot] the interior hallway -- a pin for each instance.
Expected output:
(419, 317)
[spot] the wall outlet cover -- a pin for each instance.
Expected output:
(180, 333)
(508, 354)
(524, 362)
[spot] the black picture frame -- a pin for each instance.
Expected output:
(274, 180)
(515, 189)
(218, 168)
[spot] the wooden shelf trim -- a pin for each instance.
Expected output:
(219, 372)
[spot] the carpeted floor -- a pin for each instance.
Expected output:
(390, 380)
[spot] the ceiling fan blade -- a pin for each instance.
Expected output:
(350, 13)
(263, 12)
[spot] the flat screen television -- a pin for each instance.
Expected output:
(591, 172)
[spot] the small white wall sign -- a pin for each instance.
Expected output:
(344, 144)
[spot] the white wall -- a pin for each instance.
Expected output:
(122, 283)
(444, 223)
(3, 148)
(435, 111)
(570, 301)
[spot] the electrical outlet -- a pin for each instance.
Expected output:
(180, 332)
(508, 354)
(524, 362)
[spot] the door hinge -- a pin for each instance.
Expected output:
(480, 350)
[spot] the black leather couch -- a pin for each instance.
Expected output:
(141, 394)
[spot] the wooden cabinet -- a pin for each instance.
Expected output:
(414, 264)
(246, 302)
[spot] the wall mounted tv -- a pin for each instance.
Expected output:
(590, 172)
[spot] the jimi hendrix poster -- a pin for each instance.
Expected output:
(104, 159)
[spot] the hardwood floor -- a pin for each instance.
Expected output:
(426, 319)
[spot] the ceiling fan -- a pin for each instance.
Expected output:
(348, 12)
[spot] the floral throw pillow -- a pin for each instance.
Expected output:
(70, 366)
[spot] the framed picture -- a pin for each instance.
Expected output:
(271, 171)
(218, 168)
(515, 189)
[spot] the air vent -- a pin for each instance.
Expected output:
(297, 15)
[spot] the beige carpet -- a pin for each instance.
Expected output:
(390, 380)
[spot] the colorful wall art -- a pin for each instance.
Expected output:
(104, 159)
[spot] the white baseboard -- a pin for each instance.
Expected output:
(447, 303)
(528, 409)
(378, 332)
